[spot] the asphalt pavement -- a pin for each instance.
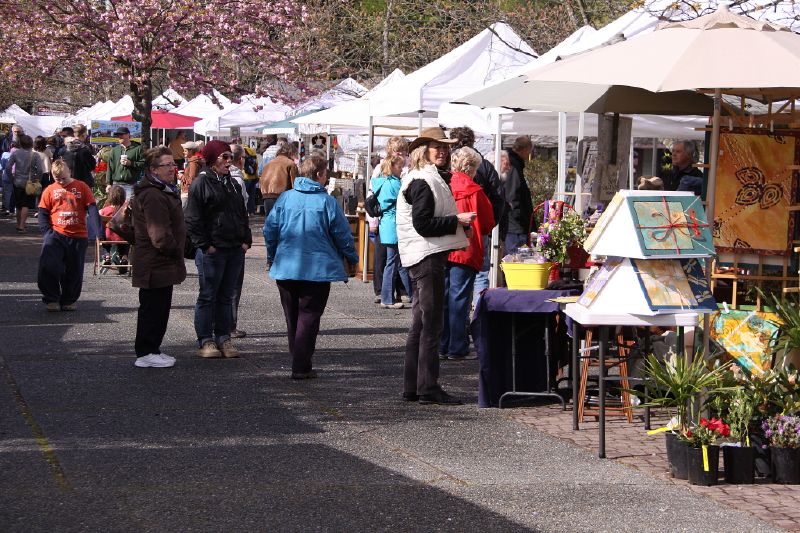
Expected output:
(88, 442)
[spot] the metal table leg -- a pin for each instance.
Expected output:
(602, 382)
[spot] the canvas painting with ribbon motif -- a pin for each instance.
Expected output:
(671, 225)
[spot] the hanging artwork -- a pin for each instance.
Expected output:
(747, 336)
(755, 187)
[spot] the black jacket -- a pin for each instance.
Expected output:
(215, 212)
(420, 196)
(81, 163)
(489, 180)
(518, 196)
(673, 179)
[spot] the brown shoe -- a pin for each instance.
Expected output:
(229, 350)
(53, 307)
(312, 374)
(69, 307)
(209, 350)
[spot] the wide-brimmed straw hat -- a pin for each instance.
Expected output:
(429, 135)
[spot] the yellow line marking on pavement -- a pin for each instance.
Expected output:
(36, 429)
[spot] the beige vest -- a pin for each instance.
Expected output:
(413, 246)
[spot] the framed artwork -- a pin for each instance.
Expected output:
(674, 284)
(671, 225)
(755, 187)
(599, 280)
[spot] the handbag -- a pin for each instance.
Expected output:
(32, 188)
(121, 222)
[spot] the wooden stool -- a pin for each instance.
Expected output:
(621, 361)
(98, 251)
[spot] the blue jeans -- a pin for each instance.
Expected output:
(514, 241)
(218, 274)
(8, 194)
(458, 282)
(482, 277)
(250, 187)
(392, 266)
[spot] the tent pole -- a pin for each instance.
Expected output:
(419, 118)
(367, 176)
(711, 200)
(494, 253)
(578, 178)
(562, 154)
(654, 163)
(328, 146)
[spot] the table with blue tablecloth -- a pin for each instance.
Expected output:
(540, 343)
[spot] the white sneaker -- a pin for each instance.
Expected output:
(153, 360)
(166, 357)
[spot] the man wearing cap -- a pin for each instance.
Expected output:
(125, 163)
(429, 226)
(194, 162)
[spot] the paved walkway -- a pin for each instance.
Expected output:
(89, 442)
(629, 444)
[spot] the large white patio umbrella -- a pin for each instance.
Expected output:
(720, 53)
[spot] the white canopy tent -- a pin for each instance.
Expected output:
(203, 105)
(124, 106)
(248, 115)
(168, 100)
(346, 90)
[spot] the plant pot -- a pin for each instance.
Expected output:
(786, 465)
(739, 464)
(762, 455)
(703, 472)
(676, 456)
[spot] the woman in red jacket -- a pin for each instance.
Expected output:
(463, 265)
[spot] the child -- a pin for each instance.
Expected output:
(62, 219)
(114, 253)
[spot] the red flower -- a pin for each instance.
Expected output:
(704, 422)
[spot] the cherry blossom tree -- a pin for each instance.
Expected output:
(236, 46)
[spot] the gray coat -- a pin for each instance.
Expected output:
(21, 161)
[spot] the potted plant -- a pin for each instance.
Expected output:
(675, 384)
(554, 239)
(703, 452)
(739, 456)
(783, 433)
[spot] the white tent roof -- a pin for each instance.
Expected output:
(16, 111)
(247, 115)
(344, 91)
(43, 125)
(492, 55)
(124, 106)
(167, 100)
(202, 106)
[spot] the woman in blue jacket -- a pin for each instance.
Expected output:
(387, 187)
(308, 235)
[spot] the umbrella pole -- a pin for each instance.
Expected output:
(631, 184)
(710, 198)
(654, 163)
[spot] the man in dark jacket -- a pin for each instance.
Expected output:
(218, 225)
(684, 176)
(80, 160)
(158, 255)
(518, 195)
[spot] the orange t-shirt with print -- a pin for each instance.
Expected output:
(67, 206)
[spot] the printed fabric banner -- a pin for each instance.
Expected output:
(747, 336)
(755, 187)
(102, 131)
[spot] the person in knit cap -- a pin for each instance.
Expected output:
(218, 226)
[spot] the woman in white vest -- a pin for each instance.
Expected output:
(428, 228)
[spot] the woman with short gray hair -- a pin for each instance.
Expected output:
(464, 264)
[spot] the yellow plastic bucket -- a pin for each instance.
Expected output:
(525, 276)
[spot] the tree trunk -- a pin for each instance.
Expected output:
(582, 9)
(385, 39)
(142, 95)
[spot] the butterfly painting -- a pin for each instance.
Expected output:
(755, 180)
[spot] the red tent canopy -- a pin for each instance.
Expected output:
(164, 120)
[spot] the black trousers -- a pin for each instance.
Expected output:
(421, 374)
(378, 264)
(303, 304)
(61, 268)
(151, 324)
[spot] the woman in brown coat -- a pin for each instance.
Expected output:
(157, 255)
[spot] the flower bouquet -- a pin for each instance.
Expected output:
(783, 433)
(554, 238)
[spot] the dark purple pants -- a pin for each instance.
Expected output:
(152, 319)
(421, 374)
(61, 268)
(303, 304)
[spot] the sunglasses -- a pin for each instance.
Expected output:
(226, 156)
